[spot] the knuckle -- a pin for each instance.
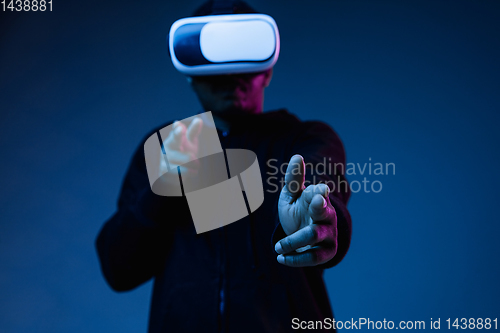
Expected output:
(288, 260)
(313, 233)
(316, 208)
(325, 190)
(288, 245)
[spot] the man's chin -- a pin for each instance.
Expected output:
(230, 108)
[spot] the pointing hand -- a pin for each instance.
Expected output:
(308, 219)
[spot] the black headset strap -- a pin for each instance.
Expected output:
(222, 7)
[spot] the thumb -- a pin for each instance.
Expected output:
(294, 179)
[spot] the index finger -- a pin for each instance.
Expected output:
(194, 129)
(174, 139)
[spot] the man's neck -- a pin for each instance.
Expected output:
(220, 123)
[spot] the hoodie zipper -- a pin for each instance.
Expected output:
(222, 282)
(222, 272)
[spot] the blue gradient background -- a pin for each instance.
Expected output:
(415, 83)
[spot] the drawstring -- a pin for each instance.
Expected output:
(250, 242)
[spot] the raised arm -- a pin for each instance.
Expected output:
(315, 225)
(133, 243)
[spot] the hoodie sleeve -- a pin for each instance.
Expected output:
(134, 241)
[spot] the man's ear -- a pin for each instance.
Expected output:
(268, 77)
(189, 79)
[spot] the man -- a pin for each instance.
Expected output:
(258, 273)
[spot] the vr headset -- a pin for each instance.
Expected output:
(224, 44)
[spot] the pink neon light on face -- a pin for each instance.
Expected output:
(232, 93)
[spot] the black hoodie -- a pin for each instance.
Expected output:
(228, 279)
